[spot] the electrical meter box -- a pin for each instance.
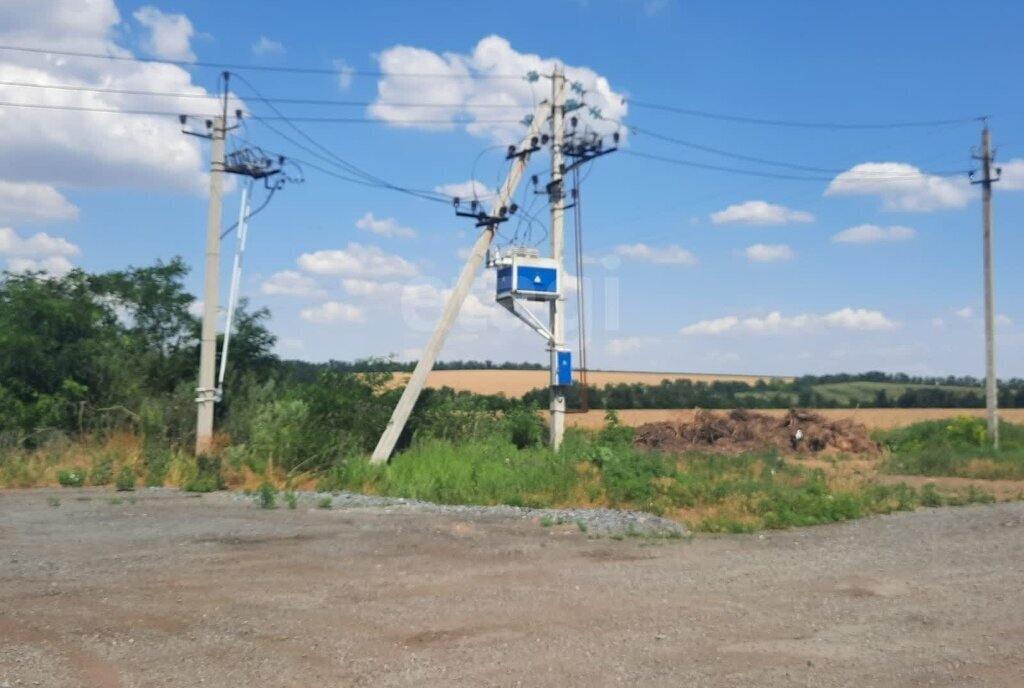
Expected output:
(528, 277)
(562, 374)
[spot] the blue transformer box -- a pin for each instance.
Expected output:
(563, 372)
(532, 279)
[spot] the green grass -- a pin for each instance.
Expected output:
(957, 447)
(710, 493)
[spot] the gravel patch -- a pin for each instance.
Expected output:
(604, 522)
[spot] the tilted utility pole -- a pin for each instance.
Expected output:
(418, 379)
(556, 191)
(991, 386)
(206, 392)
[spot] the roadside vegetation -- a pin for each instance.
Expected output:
(957, 447)
(97, 376)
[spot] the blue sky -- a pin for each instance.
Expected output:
(687, 269)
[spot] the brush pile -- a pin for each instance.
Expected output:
(740, 431)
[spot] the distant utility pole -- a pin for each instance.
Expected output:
(991, 389)
(556, 191)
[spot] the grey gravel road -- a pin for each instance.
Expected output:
(184, 591)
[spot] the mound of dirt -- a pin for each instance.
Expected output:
(739, 431)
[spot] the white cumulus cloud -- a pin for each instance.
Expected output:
(1012, 177)
(53, 265)
(858, 319)
(333, 311)
(41, 244)
(624, 345)
(467, 190)
(760, 213)
(491, 107)
(357, 260)
(170, 35)
(668, 255)
(871, 234)
(267, 46)
(902, 187)
(362, 287)
(92, 149)
(964, 312)
(768, 253)
(346, 73)
(33, 202)
(776, 322)
(291, 283)
(716, 326)
(384, 226)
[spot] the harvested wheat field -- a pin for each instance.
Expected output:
(876, 419)
(516, 383)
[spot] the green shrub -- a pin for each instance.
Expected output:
(102, 472)
(208, 476)
(156, 461)
(614, 433)
(71, 477)
(325, 502)
(292, 499)
(126, 479)
(266, 496)
(930, 495)
(525, 427)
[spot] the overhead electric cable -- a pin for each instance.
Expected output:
(751, 158)
(741, 119)
(252, 67)
(802, 124)
(774, 175)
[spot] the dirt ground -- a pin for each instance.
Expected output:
(881, 419)
(210, 591)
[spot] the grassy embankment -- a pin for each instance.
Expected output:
(598, 469)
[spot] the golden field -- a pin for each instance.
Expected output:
(881, 419)
(516, 383)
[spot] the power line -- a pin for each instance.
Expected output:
(723, 117)
(331, 155)
(801, 124)
(272, 99)
(110, 111)
(750, 158)
(262, 118)
(769, 175)
(255, 68)
(115, 91)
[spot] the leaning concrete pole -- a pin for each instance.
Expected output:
(206, 393)
(557, 194)
(418, 379)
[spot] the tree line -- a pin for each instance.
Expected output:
(86, 354)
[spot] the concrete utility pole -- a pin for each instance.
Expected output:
(418, 379)
(206, 392)
(991, 389)
(556, 191)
